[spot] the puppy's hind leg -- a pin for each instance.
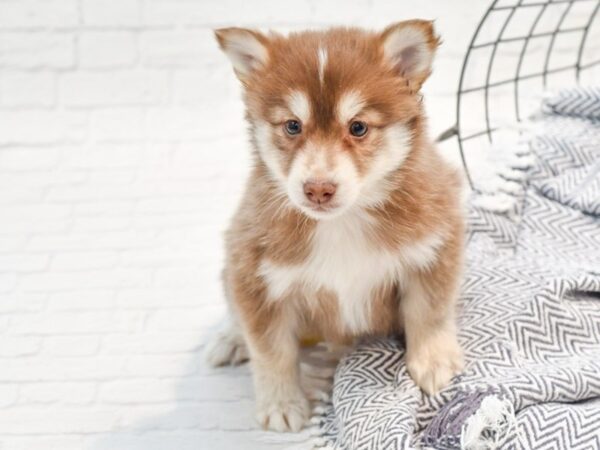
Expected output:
(227, 346)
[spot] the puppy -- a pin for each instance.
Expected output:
(351, 224)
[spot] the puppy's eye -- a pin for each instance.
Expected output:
(293, 127)
(358, 128)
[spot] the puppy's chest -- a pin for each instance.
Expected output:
(345, 262)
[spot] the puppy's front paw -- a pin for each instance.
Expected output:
(434, 363)
(226, 347)
(286, 412)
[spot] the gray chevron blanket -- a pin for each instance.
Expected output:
(529, 319)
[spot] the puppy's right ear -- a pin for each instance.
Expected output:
(246, 49)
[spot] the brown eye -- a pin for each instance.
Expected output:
(358, 129)
(293, 127)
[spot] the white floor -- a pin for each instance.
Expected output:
(122, 156)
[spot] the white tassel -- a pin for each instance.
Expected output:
(498, 203)
(495, 418)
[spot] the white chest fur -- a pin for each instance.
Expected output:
(344, 261)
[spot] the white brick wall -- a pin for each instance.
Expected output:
(122, 155)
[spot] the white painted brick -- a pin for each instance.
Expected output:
(8, 394)
(184, 319)
(151, 343)
(110, 176)
(39, 421)
(23, 262)
(178, 49)
(157, 256)
(93, 241)
(76, 322)
(137, 391)
(160, 366)
(101, 49)
(58, 176)
(63, 393)
(103, 207)
(49, 126)
(23, 302)
(117, 123)
(38, 13)
(35, 224)
(7, 282)
(24, 158)
(20, 194)
(84, 260)
(176, 276)
(165, 12)
(71, 346)
(37, 50)
(86, 300)
(154, 220)
(39, 211)
(143, 87)
(158, 297)
(180, 123)
(105, 155)
(111, 13)
(4, 324)
(11, 346)
(174, 204)
(206, 86)
(103, 191)
(12, 243)
(332, 14)
(27, 89)
(64, 442)
(228, 12)
(97, 278)
(45, 368)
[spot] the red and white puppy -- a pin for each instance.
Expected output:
(351, 224)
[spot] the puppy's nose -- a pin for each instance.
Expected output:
(319, 192)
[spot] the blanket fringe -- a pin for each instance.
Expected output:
(490, 426)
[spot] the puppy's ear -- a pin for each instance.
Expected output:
(247, 49)
(409, 47)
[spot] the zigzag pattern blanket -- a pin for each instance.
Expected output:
(529, 319)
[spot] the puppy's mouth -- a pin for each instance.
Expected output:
(322, 211)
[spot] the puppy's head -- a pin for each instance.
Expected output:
(333, 114)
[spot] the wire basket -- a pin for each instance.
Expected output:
(519, 50)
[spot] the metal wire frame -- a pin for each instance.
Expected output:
(495, 7)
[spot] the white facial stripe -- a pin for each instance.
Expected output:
(390, 156)
(350, 104)
(317, 168)
(268, 151)
(322, 53)
(299, 105)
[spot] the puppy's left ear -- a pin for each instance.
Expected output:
(409, 47)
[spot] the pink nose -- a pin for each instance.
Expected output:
(319, 192)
